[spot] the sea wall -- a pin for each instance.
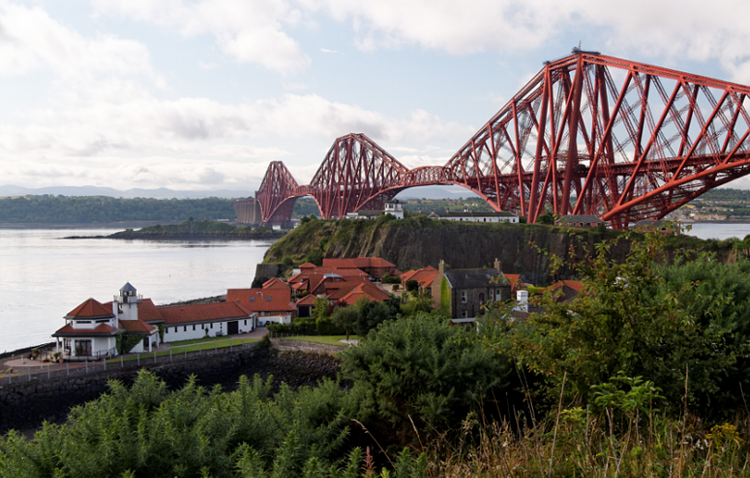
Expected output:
(25, 405)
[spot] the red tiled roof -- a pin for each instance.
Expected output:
(368, 290)
(137, 327)
(101, 329)
(148, 312)
(307, 265)
(90, 309)
(275, 283)
(262, 300)
(423, 276)
(180, 314)
(307, 300)
(514, 280)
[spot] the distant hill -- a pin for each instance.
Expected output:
(161, 193)
(426, 192)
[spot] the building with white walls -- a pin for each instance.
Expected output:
(91, 330)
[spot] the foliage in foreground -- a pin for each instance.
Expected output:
(423, 370)
(151, 432)
(630, 319)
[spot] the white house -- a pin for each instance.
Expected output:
(394, 208)
(89, 332)
(469, 216)
(91, 329)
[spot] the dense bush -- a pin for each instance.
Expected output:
(421, 368)
(630, 319)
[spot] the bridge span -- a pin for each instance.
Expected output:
(589, 134)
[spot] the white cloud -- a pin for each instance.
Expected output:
(196, 142)
(248, 31)
(30, 39)
(667, 29)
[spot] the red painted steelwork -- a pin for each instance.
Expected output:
(589, 134)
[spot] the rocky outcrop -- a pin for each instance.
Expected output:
(525, 250)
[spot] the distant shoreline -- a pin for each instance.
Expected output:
(86, 225)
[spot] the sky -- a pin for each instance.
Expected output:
(201, 95)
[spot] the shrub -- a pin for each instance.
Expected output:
(423, 368)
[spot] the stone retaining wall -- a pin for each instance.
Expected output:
(26, 405)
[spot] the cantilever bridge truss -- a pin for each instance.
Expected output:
(589, 134)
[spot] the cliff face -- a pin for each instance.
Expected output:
(523, 249)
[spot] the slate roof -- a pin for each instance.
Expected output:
(90, 309)
(474, 278)
(128, 287)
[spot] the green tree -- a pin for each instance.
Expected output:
(545, 218)
(623, 323)
(424, 368)
(411, 285)
(346, 318)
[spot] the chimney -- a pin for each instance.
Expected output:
(498, 265)
(522, 296)
(441, 266)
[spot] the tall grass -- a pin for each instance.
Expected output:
(582, 444)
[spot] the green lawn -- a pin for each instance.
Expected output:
(205, 347)
(322, 339)
(178, 343)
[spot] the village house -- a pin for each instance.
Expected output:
(272, 303)
(463, 292)
(91, 329)
(478, 216)
(339, 281)
(372, 266)
(583, 220)
(395, 208)
(424, 277)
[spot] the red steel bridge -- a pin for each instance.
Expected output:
(589, 134)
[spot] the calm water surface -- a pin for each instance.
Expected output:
(43, 277)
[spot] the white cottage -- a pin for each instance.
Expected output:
(89, 332)
(91, 329)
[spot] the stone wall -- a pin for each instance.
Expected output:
(26, 405)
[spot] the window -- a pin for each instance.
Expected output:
(492, 295)
(175, 330)
(184, 329)
(245, 321)
(463, 296)
(193, 326)
(212, 326)
(481, 298)
(464, 314)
